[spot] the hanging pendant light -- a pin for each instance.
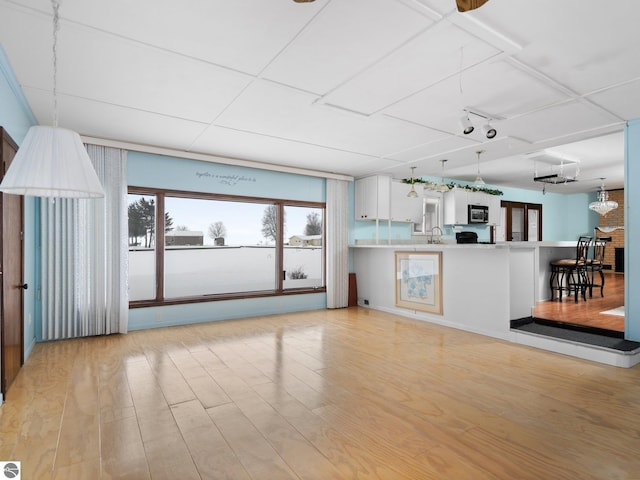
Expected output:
(442, 187)
(603, 205)
(479, 181)
(412, 193)
(52, 161)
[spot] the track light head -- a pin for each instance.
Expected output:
(489, 131)
(467, 126)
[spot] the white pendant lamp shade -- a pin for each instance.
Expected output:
(52, 162)
(479, 181)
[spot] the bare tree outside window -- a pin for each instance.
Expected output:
(270, 223)
(314, 224)
(217, 230)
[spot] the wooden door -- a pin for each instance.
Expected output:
(523, 221)
(11, 273)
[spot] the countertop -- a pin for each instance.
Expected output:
(447, 246)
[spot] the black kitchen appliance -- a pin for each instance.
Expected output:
(478, 214)
(467, 237)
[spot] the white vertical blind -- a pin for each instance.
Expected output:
(337, 237)
(84, 256)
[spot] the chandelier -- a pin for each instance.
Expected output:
(603, 205)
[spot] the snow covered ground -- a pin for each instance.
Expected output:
(192, 271)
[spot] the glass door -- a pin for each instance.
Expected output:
(523, 221)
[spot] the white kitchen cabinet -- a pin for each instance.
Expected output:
(491, 201)
(495, 210)
(457, 200)
(455, 207)
(403, 208)
(373, 198)
(478, 198)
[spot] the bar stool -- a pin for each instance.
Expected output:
(595, 264)
(570, 274)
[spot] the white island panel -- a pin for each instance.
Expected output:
(475, 285)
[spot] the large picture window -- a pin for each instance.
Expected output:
(142, 247)
(187, 247)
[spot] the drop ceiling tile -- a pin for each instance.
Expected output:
(461, 158)
(277, 151)
(559, 121)
(35, 69)
(282, 112)
(243, 35)
(585, 45)
(494, 87)
(425, 60)
(342, 40)
(440, 148)
(497, 87)
(623, 101)
(442, 7)
(116, 123)
(117, 71)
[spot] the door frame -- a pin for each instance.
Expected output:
(509, 205)
(8, 143)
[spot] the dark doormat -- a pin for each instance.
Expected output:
(576, 333)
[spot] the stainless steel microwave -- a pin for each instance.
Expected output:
(478, 214)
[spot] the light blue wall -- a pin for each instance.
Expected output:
(632, 230)
(157, 171)
(172, 173)
(153, 317)
(16, 117)
(564, 217)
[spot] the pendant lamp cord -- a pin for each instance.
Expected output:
(56, 27)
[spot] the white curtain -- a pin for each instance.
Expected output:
(84, 256)
(337, 237)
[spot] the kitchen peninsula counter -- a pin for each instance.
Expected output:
(484, 286)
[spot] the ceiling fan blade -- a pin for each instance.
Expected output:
(465, 5)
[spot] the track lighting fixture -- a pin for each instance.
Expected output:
(489, 131)
(467, 126)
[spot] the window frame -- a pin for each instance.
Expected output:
(160, 195)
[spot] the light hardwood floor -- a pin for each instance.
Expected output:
(588, 313)
(345, 394)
